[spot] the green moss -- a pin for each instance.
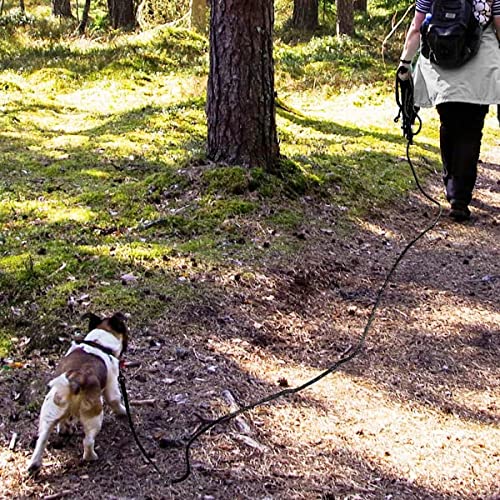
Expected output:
(5, 342)
(229, 180)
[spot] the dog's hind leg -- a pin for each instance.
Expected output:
(91, 426)
(53, 410)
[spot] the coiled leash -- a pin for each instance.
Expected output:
(406, 104)
(409, 113)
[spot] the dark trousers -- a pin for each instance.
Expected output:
(460, 141)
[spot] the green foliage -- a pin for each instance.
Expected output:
(327, 59)
(16, 18)
(158, 12)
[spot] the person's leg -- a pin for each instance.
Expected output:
(460, 142)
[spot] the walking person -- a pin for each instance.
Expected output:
(462, 97)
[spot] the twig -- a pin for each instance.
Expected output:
(132, 364)
(143, 402)
(57, 495)
(59, 269)
(13, 441)
(394, 29)
(240, 421)
(251, 442)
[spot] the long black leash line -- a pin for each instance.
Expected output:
(404, 94)
(121, 381)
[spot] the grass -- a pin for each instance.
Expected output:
(102, 169)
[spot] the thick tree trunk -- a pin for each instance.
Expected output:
(240, 95)
(345, 17)
(305, 14)
(121, 13)
(61, 8)
(198, 15)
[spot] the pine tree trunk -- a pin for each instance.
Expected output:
(121, 13)
(361, 5)
(305, 14)
(61, 8)
(345, 17)
(198, 14)
(240, 96)
(85, 18)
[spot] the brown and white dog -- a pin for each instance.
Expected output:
(88, 372)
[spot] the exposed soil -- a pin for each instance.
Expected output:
(415, 415)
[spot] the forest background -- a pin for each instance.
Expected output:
(240, 280)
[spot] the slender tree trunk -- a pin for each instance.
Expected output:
(61, 8)
(240, 96)
(345, 17)
(305, 14)
(85, 18)
(198, 15)
(361, 5)
(22, 7)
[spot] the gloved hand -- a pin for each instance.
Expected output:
(404, 70)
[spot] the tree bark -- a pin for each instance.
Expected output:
(61, 8)
(345, 17)
(198, 15)
(85, 17)
(361, 5)
(305, 14)
(241, 111)
(121, 13)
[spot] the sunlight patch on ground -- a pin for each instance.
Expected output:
(361, 107)
(405, 439)
(63, 142)
(52, 211)
(95, 173)
(116, 97)
(377, 229)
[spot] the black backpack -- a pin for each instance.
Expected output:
(451, 34)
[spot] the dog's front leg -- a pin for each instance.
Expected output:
(91, 427)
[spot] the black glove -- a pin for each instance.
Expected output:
(404, 70)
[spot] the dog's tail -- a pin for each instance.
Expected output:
(80, 380)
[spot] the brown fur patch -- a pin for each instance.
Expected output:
(84, 371)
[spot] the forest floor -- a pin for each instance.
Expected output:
(415, 415)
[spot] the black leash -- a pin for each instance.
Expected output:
(406, 104)
(121, 380)
(409, 112)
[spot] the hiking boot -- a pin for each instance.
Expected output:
(459, 211)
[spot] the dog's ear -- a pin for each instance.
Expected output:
(117, 323)
(94, 320)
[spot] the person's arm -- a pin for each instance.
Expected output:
(496, 23)
(412, 41)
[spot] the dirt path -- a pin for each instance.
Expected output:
(415, 416)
